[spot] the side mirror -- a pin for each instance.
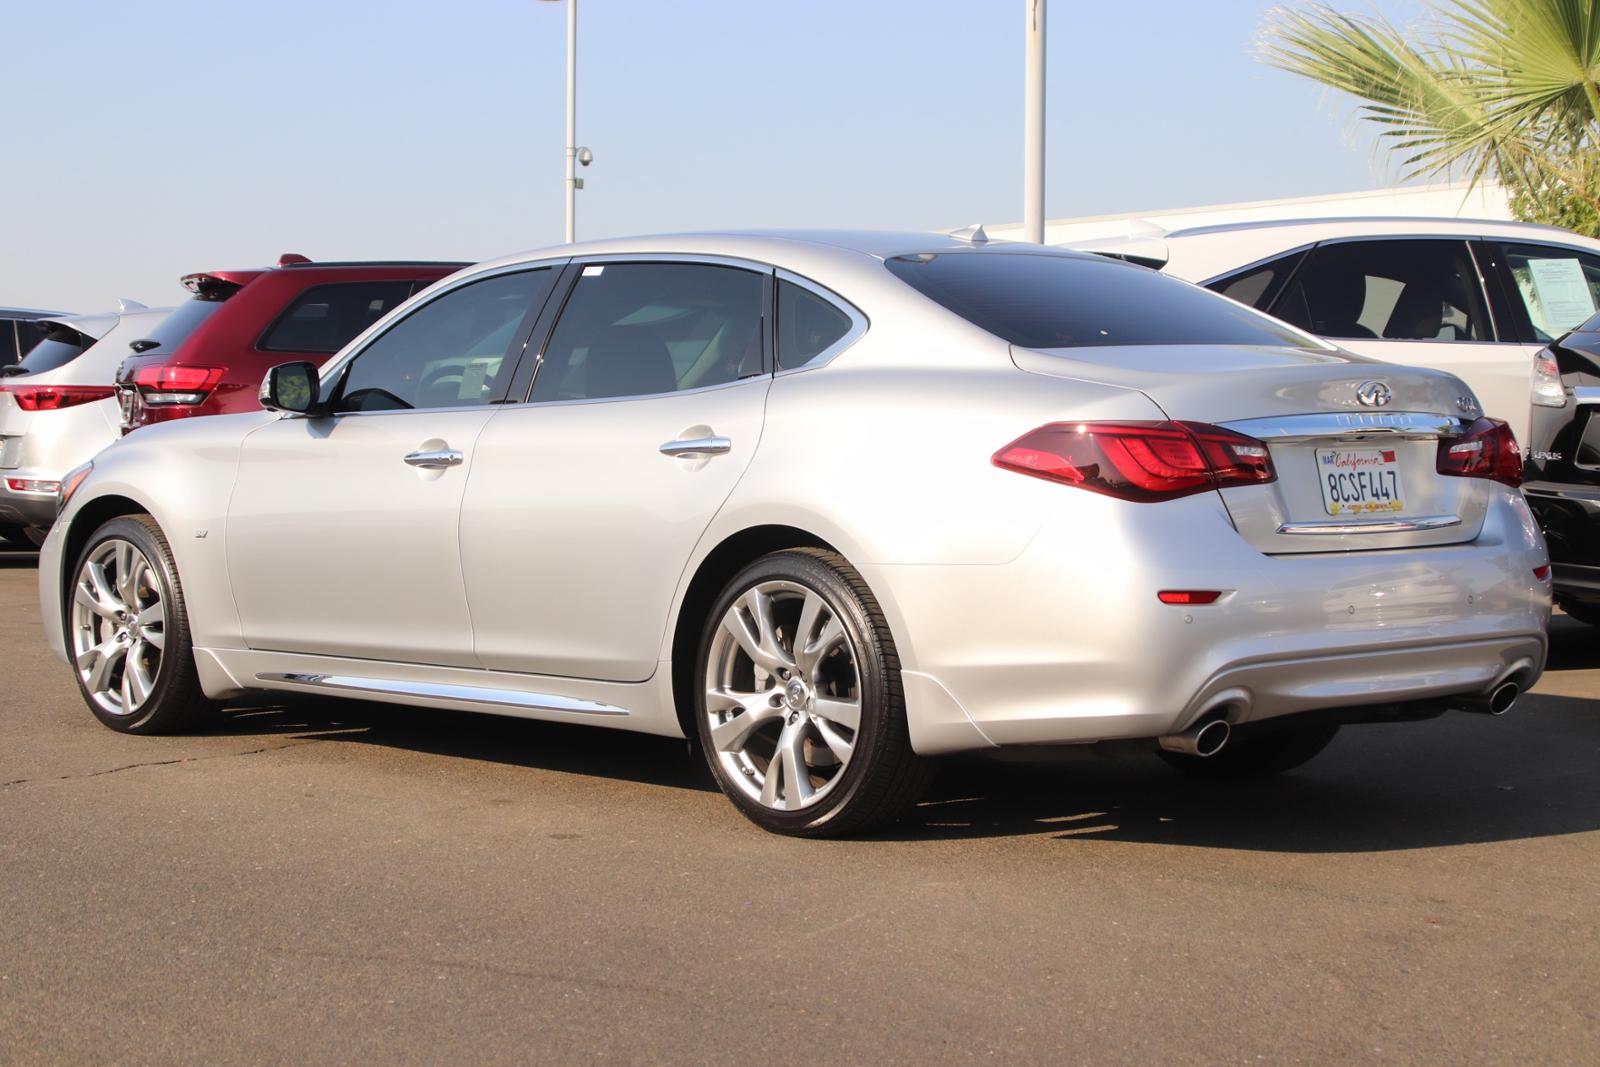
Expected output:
(292, 387)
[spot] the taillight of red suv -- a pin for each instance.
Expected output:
(175, 384)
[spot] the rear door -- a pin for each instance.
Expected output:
(343, 530)
(587, 501)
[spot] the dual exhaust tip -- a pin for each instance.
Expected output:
(1210, 736)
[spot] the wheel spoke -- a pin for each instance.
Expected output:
(760, 605)
(89, 599)
(846, 713)
(796, 779)
(136, 683)
(760, 644)
(836, 742)
(810, 658)
(124, 560)
(103, 591)
(730, 736)
(104, 658)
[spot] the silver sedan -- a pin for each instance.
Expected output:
(829, 504)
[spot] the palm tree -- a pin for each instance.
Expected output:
(1503, 89)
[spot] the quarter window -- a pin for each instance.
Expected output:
(325, 317)
(450, 352)
(808, 325)
(1557, 288)
(635, 329)
(1389, 290)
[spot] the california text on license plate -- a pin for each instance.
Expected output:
(1360, 480)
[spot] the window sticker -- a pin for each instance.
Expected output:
(594, 270)
(1560, 297)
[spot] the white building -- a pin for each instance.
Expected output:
(1448, 200)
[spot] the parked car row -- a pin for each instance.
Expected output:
(831, 504)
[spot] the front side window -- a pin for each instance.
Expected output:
(450, 352)
(1388, 290)
(1045, 301)
(1558, 288)
(325, 318)
(808, 325)
(636, 329)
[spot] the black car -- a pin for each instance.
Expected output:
(1562, 465)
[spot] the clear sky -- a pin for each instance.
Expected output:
(146, 140)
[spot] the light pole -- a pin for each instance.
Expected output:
(575, 155)
(1033, 127)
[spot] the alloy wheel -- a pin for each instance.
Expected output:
(783, 695)
(119, 626)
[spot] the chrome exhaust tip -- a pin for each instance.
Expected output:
(1497, 701)
(1202, 739)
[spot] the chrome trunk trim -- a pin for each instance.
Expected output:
(1371, 526)
(1347, 426)
(471, 694)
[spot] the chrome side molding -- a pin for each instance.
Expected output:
(1372, 526)
(472, 694)
(1389, 425)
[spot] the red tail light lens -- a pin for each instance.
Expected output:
(1142, 461)
(1488, 449)
(1189, 596)
(55, 397)
(176, 383)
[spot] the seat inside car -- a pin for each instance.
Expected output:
(628, 361)
(1337, 298)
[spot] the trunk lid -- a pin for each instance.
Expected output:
(1304, 405)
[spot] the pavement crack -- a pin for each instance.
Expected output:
(157, 763)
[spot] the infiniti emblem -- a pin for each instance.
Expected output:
(795, 695)
(1374, 394)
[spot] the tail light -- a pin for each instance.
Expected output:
(176, 383)
(55, 397)
(1547, 388)
(1142, 461)
(1488, 449)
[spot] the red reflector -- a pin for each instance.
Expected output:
(1189, 596)
(55, 397)
(1143, 461)
(1542, 572)
(1486, 449)
(32, 485)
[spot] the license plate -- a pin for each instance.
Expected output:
(1358, 481)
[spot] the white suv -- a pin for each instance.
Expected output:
(1475, 298)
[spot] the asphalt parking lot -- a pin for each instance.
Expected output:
(325, 882)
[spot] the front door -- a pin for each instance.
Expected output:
(587, 502)
(342, 530)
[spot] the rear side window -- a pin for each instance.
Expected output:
(1557, 289)
(8, 342)
(1041, 301)
(60, 346)
(808, 325)
(324, 318)
(1388, 290)
(173, 330)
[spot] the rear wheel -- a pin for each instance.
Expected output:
(1257, 755)
(129, 633)
(800, 712)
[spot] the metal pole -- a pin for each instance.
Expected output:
(572, 120)
(1033, 127)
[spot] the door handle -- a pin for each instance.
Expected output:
(697, 446)
(435, 460)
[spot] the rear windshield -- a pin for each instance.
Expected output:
(60, 346)
(1043, 301)
(173, 330)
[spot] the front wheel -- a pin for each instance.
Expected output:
(1257, 755)
(799, 707)
(129, 632)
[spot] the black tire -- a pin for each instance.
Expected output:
(1586, 613)
(1257, 755)
(882, 778)
(175, 701)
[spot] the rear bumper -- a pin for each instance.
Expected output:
(1069, 644)
(34, 510)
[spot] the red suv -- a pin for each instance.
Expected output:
(208, 357)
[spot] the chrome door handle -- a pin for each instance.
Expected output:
(697, 446)
(436, 460)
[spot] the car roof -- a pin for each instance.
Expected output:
(29, 313)
(1359, 225)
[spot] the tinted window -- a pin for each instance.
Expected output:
(1558, 289)
(326, 317)
(60, 346)
(807, 325)
(173, 330)
(1040, 301)
(447, 353)
(8, 342)
(30, 333)
(1393, 290)
(632, 329)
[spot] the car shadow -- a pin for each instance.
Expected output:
(1574, 646)
(1461, 779)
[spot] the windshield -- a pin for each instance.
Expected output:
(1045, 301)
(60, 346)
(173, 330)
